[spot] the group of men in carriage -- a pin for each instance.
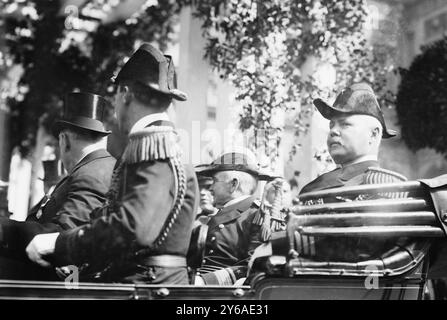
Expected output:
(149, 218)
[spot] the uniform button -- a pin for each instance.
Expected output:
(204, 261)
(211, 251)
(221, 226)
(213, 238)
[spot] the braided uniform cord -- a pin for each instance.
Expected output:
(180, 192)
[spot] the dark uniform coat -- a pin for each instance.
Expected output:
(340, 177)
(346, 249)
(126, 231)
(68, 206)
(232, 238)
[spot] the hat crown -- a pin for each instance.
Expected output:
(235, 158)
(359, 98)
(83, 110)
(150, 67)
(88, 105)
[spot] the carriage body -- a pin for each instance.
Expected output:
(412, 214)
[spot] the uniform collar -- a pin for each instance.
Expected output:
(361, 159)
(233, 201)
(231, 212)
(350, 171)
(147, 120)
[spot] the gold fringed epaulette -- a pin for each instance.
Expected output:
(376, 175)
(152, 143)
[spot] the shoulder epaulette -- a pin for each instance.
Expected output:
(152, 143)
(376, 175)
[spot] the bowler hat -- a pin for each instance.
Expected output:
(150, 67)
(232, 161)
(83, 110)
(359, 98)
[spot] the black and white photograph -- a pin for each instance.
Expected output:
(227, 152)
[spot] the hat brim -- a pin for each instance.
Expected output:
(329, 112)
(210, 170)
(173, 93)
(59, 125)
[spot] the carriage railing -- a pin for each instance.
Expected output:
(401, 213)
(358, 212)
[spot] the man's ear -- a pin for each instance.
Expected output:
(65, 141)
(375, 133)
(127, 95)
(234, 184)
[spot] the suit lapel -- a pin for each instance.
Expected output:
(230, 213)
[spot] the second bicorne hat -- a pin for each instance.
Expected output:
(85, 111)
(359, 98)
(150, 67)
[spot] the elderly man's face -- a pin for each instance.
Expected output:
(221, 189)
(349, 137)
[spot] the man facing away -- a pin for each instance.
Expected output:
(142, 235)
(82, 143)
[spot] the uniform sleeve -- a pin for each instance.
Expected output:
(137, 218)
(226, 276)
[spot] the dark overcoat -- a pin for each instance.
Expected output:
(68, 206)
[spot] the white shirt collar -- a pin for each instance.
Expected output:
(362, 159)
(233, 201)
(147, 120)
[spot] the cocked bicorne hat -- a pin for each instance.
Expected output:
(150, 67)
(359, 98)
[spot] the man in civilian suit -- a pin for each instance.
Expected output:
(82, 141)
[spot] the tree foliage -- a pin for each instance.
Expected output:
(58, 56)
(260, 46)
(421, 102)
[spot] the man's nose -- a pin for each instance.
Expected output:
(334, 131)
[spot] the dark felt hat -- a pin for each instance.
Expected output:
(359, 98)
(150, 67)
(232, 161)
(83, 110)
